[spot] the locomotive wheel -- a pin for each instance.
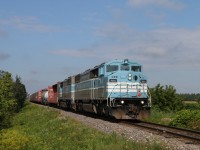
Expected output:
(68, 104)
(107, 110)
(80, 107)
(100, 110)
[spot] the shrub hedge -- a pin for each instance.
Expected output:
(187, 119)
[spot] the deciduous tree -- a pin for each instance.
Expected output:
(19, 91)
(7, 98)
(165, 98)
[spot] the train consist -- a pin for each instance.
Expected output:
(117, 88)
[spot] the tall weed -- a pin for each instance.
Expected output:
(160, 117)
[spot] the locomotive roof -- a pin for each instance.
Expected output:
(108, 62)
(121, 61)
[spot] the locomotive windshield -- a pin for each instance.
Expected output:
(136, 68)
(125, 67)
(110, 68)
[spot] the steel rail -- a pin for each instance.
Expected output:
(180, 132)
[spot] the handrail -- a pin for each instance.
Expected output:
(111, 93)
(112, 89)
(149, 95)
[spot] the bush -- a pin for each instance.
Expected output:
(7, 99)
(187, 119)
(165, 98)
(12, 97)
(17, 141)
(192, 106)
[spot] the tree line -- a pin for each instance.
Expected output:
(190, 97)
(12, 97)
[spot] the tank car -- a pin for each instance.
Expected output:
(40, 96)
(116, 88)
(44, 96)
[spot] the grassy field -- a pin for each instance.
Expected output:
(38, 128)
(190, 102)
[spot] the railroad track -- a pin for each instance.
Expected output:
(192, 135)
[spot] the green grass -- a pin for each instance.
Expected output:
(38, 128)
(190, 102)
(161, 117)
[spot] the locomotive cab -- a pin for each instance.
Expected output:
(126, 89)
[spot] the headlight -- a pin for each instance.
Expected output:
(129, 76)
(122, 102)
(142, 102)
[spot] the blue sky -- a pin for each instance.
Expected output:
(46, 41)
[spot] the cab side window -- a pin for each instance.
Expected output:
(136, 68)
(110, 68)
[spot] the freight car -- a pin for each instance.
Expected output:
(117, 88)
(40, 96)
(52, 98)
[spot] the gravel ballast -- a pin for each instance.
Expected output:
(129, 132)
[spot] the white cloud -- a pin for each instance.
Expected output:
(164, 48)
(4, 56)
(30, 23)
(171, 4)
(78, 53)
